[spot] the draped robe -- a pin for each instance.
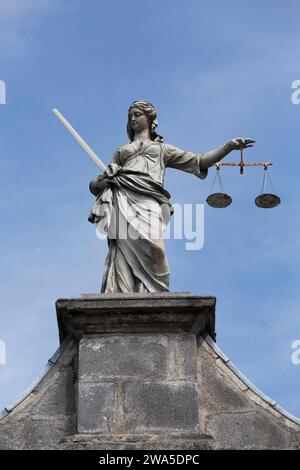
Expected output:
(134, 211)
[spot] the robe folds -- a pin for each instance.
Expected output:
(134, 210)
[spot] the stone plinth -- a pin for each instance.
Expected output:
(137, 361)
(136, 313)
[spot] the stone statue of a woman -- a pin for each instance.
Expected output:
(130, 194)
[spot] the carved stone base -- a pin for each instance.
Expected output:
(137, 362)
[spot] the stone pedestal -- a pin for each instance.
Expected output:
(137, 364)
(143, 372)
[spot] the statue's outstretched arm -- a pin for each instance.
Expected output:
(213, 156)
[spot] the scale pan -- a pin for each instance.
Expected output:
(219, 200)
(267, 201)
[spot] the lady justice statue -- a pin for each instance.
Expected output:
(130, 194)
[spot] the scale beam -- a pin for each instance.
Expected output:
(244, 164)
(241, 163)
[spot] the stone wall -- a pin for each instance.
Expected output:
(151, 389)
(47, 414)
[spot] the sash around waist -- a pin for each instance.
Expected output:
(138, 182)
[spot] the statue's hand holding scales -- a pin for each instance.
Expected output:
(239, 143)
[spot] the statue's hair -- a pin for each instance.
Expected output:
(147, 108)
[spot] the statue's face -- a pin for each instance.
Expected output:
(138, 120)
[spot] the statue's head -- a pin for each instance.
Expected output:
(148, 110)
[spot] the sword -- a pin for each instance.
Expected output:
(80, 140)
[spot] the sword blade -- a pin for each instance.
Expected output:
(80, 140)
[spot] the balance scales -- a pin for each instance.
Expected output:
(263, 200)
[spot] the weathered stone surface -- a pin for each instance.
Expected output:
(137, 295)
(156, 407)
(30, 434)
(144, 313)
(185, 357)
(217, 393)
(145, 373)
(252, 430)
(109, 357)
(136, 376)
(47, 415)
(95, 407)
(166, 441)
(59, 401)
(122, 356)
(296, 440)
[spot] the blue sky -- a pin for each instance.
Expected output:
(215, 70)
